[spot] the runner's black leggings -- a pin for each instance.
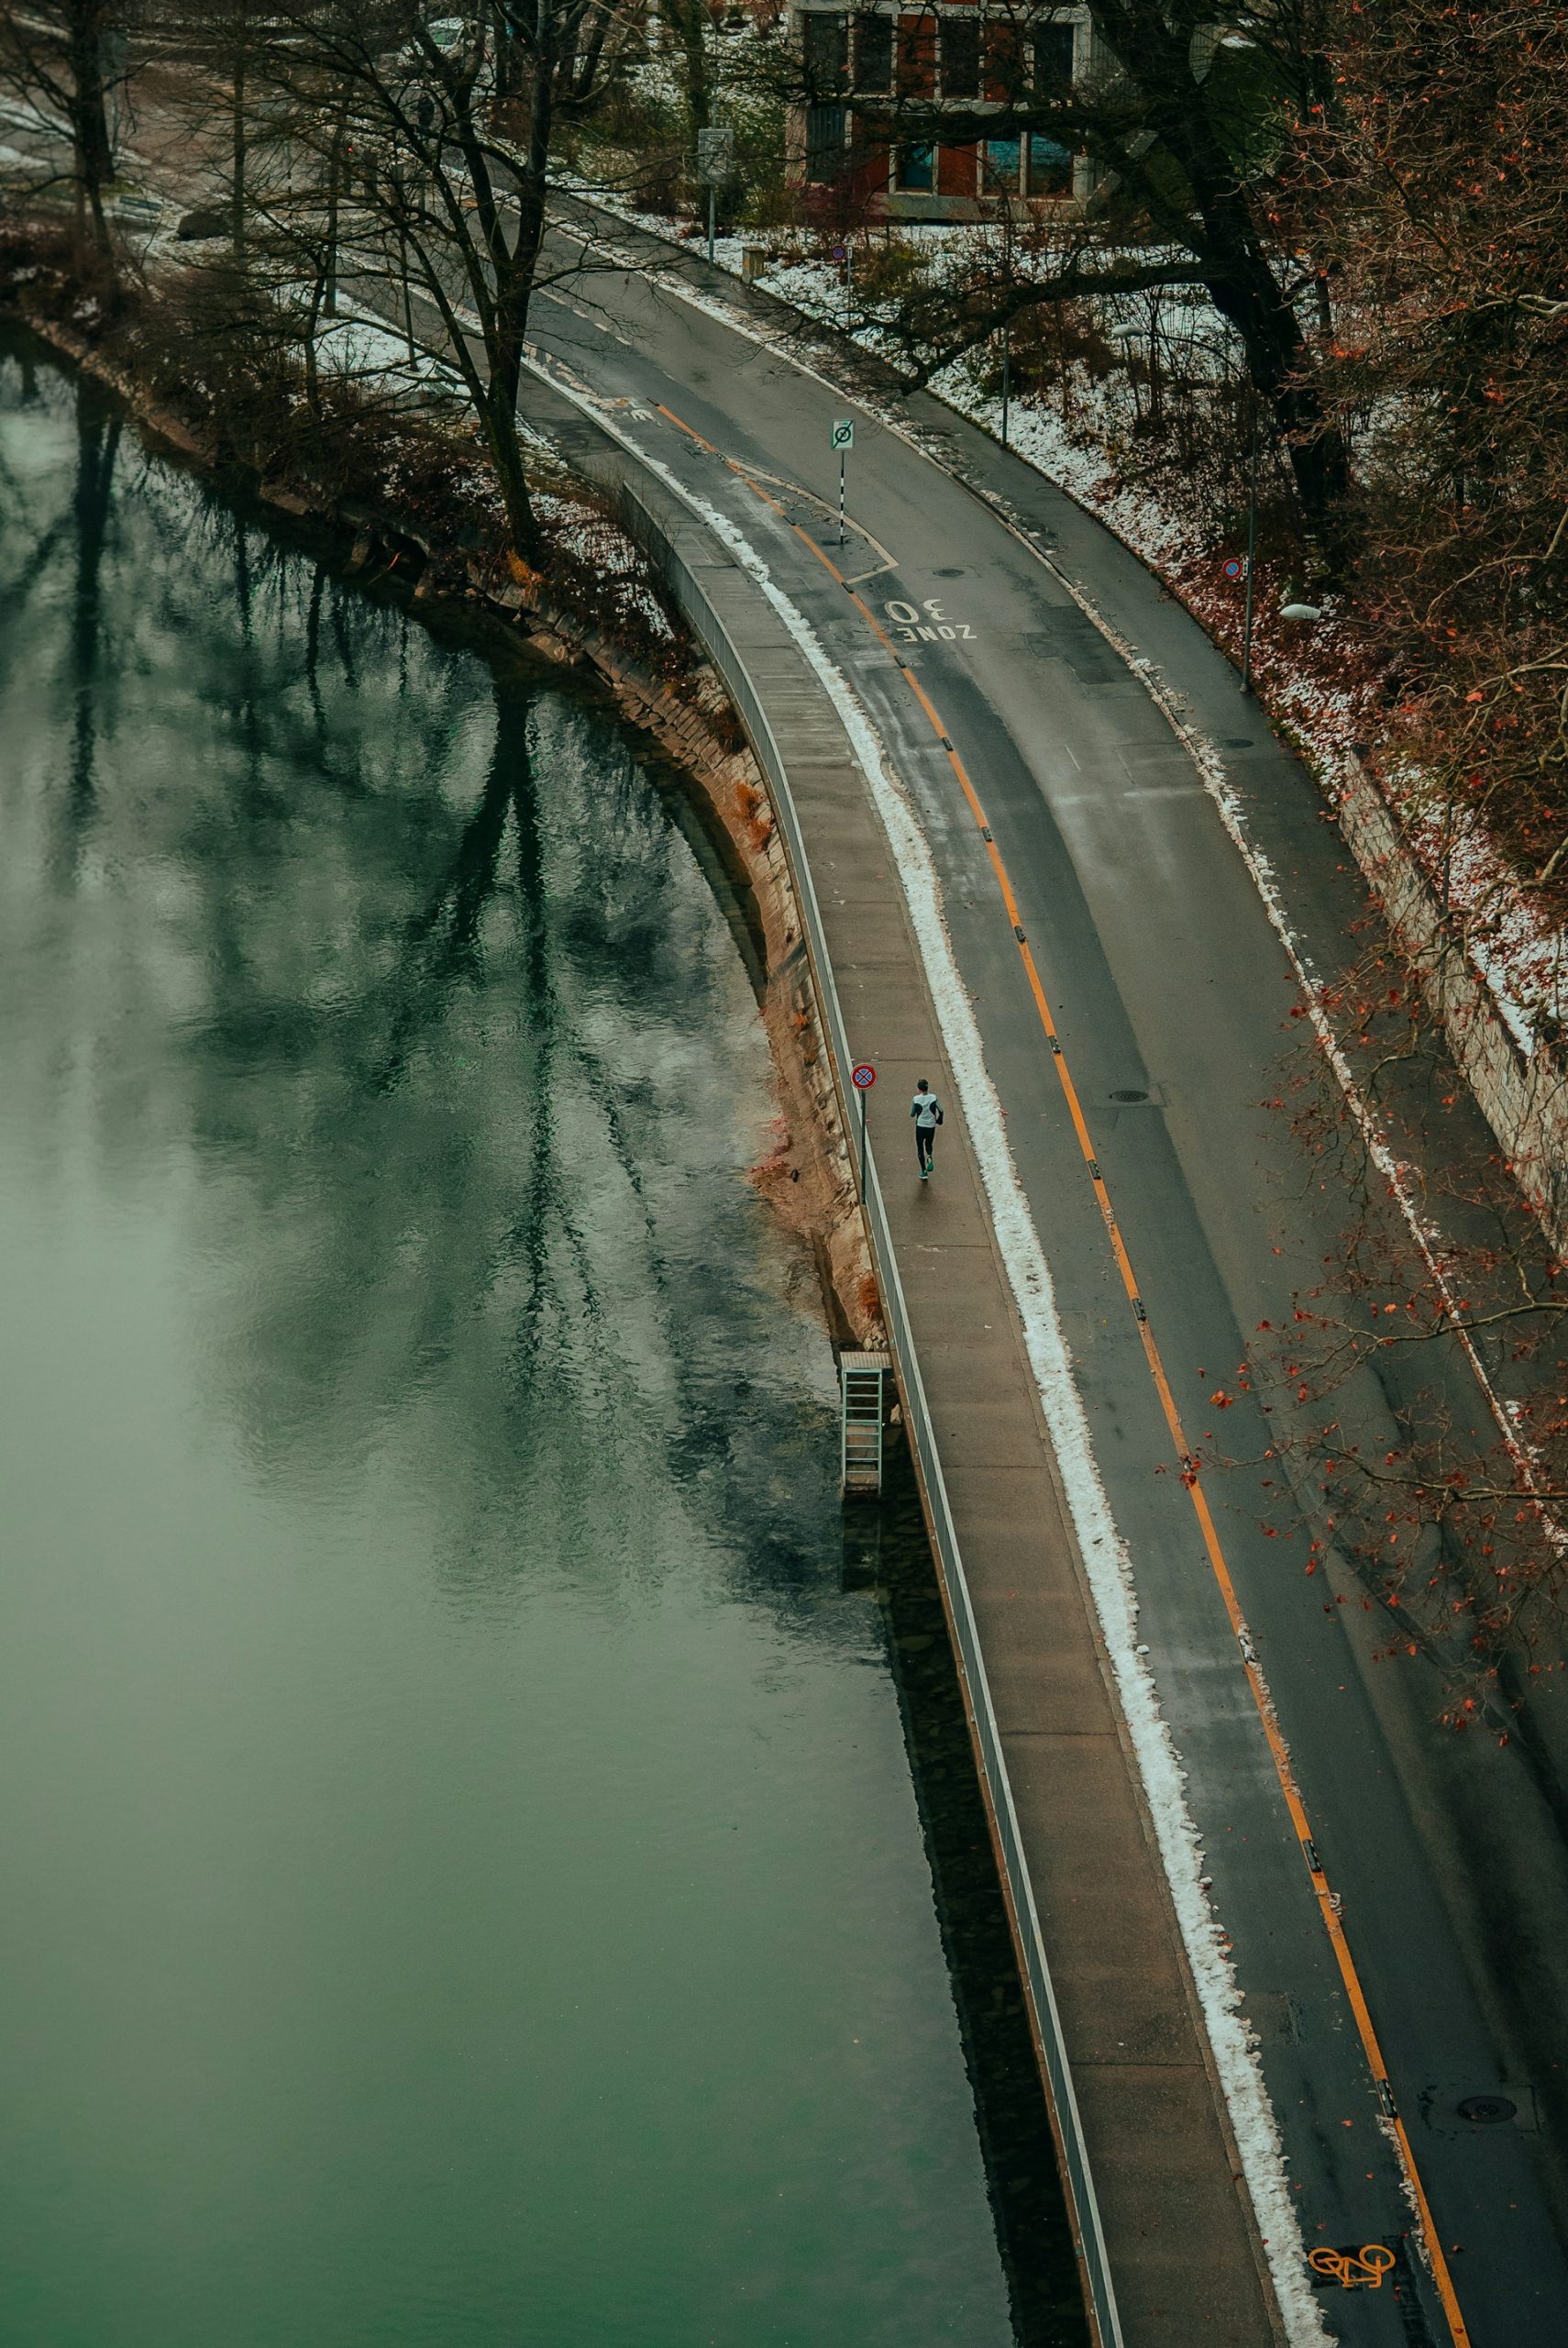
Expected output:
(925, 1138)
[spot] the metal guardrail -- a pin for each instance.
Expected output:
(709, 629)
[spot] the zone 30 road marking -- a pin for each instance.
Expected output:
(924, 622)
(1328, 1902)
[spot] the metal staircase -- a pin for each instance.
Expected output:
(862, 1391)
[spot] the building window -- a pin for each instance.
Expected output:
(1051, 163)
(960, 53)
(917, 169)
(874, 55)
(1054, 50)
(1050, 167)
(1000, 166)
(825, 129)
(826, 41)
(1005, 60)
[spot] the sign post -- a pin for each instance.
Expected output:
(716, 164)
(843, 440)
(863, 1076)
(1006, 378)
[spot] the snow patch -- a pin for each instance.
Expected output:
(1518, 949)
(1105, 1556)
(359, 344)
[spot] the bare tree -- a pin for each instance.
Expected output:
(689, 40)
(1418, 1391)
(1443, 182)
(1183, 111)
(433, 186)
(63, 57)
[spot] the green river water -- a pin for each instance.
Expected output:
(461, 1879)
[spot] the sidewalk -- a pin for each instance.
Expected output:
(1182, 2254)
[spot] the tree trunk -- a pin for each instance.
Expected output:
(515, 267)
(505, 447)
(504, 343)
(318, 295)
(329, 284)
(1276, 358)
(1154, 48)
(694, 58)
(237, 229)
(89, 121)
(503, 49)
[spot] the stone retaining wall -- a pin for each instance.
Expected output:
(1523, 1096)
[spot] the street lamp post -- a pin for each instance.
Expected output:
(1007, 318)
(1252, 544)
(1127, 337)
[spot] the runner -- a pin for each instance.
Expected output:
(926, 1111)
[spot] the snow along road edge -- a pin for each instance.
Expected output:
(1106, 1561)
(1195, 740)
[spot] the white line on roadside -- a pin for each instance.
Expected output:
(1211, 770)
(1106, 1561)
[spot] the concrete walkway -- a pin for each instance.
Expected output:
(1176, 2234)
(1181, 2247)
(1450, 1872)
(1151, 943)
(1396, 1922)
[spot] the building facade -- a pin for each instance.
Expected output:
(863, 66)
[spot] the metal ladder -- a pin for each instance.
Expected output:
(862, 1380)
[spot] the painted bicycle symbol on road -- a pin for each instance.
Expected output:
(1353, 2269)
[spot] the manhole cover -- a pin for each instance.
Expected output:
(1488, 2110)
(950, 571)
(1239, 742)
(1129, 1096)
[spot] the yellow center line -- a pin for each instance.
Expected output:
(687, 428)
(1328, 1905)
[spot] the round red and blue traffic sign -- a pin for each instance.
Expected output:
(863, 1076)
(1234, 567)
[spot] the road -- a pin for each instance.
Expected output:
(1171, 993)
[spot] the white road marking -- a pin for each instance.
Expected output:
(1211, 771)
(924, 622)
(1106, 1561)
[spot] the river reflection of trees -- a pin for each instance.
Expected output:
(404, 955)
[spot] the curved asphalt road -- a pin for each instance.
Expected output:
(1168, 981)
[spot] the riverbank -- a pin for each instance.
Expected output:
(601, 612)
(470, 1880)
